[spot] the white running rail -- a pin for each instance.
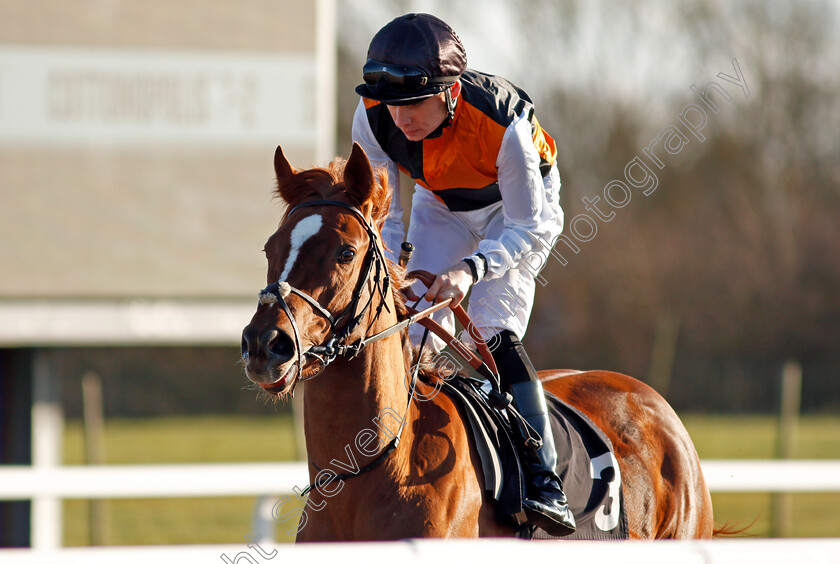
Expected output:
(765, 551)
(223, 480)
(241, 479)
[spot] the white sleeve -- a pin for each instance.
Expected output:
(532, 216)
(393, 231)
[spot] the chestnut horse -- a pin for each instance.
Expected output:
(335, 291)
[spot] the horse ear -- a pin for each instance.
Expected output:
(281, 165)
(358, 175)
(284, 172)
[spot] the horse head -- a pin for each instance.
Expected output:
(327, 274)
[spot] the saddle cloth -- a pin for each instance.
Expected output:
(586, 464)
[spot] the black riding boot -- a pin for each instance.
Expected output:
(546, 505)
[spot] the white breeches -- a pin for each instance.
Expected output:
(441, 238)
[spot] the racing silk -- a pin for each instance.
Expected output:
(493, 151)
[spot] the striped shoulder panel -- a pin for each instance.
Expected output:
(497, 98)
(502, 101)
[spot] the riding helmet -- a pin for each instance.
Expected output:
(413, 57)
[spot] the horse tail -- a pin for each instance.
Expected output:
(730, 529)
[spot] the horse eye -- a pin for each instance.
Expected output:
(346, 255)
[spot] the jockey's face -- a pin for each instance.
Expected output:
(419, 120)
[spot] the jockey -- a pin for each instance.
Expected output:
(486, 196)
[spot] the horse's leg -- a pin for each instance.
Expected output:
(664, 490)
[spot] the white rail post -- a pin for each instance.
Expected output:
(263, 524)
(47, 430)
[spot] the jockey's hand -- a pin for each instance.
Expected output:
(454, 282)
(409, 295)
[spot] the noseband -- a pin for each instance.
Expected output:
(336, 345)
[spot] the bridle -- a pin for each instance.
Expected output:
(336, 345)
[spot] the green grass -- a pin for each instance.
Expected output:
(174, 440)
(178, 440)
(261, 439)
(751, 437)
(754, 436)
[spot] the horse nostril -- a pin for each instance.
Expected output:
(273, 343)
(280, 345)
(244, 347)
(250, 340)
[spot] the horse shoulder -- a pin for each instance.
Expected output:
(446, 468)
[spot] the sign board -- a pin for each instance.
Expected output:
(137, 140)
(132, 97)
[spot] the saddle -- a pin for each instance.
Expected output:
(586, 461)
(587, 464)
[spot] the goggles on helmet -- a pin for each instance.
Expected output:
(400, 78)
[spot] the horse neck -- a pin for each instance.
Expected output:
(353, 398)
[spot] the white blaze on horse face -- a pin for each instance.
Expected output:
(307, 227)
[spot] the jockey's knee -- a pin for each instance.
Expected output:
(512, 360)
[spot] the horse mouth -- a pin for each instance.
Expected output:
(275, 380)
(277, 388)
(279, 380)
